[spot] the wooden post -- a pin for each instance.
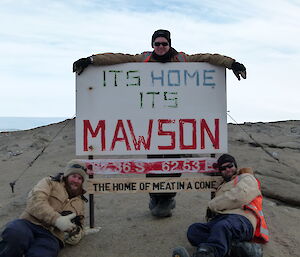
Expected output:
(91, 201)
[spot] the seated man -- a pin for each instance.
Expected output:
(238, 217)
(161, 204)
(53, 216)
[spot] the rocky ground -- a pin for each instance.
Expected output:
(128, 229)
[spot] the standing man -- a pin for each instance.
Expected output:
(236, 217)
(161, 204)
(53, 216)
(163, 52)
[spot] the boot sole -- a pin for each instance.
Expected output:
(180, 252)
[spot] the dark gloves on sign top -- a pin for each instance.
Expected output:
(81, 64)
(239, 69)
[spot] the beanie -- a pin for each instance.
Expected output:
(161, 33)
(226, 158)
(75, 167)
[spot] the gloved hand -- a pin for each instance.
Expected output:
(239, 69)
(81, 64)
(210, 214)
(64, 223)
(74, 237)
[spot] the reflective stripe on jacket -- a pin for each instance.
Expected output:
(261, 234)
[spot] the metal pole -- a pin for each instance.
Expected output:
(212, 194)
(91, 201)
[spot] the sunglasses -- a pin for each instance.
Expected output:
(77, 166)
(226, 166)
(161, 43)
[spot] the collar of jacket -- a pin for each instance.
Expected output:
(166, 57)
(83, 197)
(246, 170)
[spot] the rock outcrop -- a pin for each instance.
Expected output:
(128, 229)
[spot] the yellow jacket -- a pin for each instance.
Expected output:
(45, 203)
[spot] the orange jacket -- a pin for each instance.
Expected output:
(261, 234)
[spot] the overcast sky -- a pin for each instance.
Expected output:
(40, 39)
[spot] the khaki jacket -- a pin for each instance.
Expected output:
(45, 203)
(117, 58)
(231, 198)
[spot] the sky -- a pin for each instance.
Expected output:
(40, 40)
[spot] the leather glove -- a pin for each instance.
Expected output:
(210, 214)
(64, 223)
(75, 236)
(239, 69)
(81, 64)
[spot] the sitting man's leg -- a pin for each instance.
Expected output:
(16, 238)
(45, 244)
(222, 230)
(198, 233)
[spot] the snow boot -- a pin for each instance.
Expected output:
(153, 202)
(163, 207)
(245, 249)
(204, 252)
(180, 252)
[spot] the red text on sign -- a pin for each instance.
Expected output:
(124, 134)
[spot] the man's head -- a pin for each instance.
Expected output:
(74, 175)
(161, 41)
(227, 166)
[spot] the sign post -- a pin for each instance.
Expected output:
(91, 201)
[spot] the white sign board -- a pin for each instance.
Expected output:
(151, 108)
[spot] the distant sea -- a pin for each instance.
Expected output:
(22, 123)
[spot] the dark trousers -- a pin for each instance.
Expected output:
(219, 233)
(23, 237)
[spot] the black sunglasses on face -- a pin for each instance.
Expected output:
(161, 43)
(226, 166)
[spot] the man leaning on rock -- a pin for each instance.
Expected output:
(236, 226)
(53, 216)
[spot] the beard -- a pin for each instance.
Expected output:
(227, 177)
(72, 189)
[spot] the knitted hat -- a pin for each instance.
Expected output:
(161, 33)
(75, 167)
(226, 158)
